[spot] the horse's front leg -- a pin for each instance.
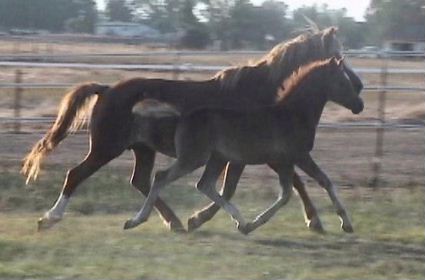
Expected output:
(232, 175)
(141, 179)
(311, 216)
(307, 164)
(207, 186)
(285, 171)
(73, 178)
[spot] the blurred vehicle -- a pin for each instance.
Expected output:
(370, 52)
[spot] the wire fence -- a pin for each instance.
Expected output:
(178, 67)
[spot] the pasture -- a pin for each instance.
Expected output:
(90, 243)
(389, 221)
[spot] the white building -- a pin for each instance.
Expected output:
(404, 45)
(411, 39)
(126, 29)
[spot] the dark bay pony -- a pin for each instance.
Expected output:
(243, 88)
(280, 136)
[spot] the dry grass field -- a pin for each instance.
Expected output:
(89, 243)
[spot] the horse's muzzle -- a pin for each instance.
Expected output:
(358, 106)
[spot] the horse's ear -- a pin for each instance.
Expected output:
(329, 38)
(333, 30)
(340, 61)
(334, 61)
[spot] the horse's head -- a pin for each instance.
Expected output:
(341, 89)
(332, 48)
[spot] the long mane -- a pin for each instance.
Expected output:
(284, 58)
(290, 84)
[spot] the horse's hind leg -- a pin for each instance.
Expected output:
(162, 178)
(73, 178)
(285, 172)
(141, 179)
(310, 213)
(232, 175)
(307, 164)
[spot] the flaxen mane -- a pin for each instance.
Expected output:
(296, 78)
(285, 58)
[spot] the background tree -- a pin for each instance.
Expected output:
(175, 16)
(196, 34)
(392, 18)
(239, 23)
(119, 10)
(352, 33)
(52, 15)
(236, 23)
(217, 15)
(164, 15)
(273, 21)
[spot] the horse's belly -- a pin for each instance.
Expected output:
(251, 150)
(155, 132)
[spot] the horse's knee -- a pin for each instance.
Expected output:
(285, 195)
(141, 183)
(160, 175)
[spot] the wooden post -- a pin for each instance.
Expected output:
(176, 65)
(379, 144)
(17, 101)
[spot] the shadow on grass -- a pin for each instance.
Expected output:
(388, 249)
(11, 250)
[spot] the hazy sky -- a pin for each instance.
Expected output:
(355, 8)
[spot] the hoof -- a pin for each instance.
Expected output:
(176, 226)
(130, 224)
(348, 228)
(316, 225)
(45, 223)
(244, 229)
(193, 223)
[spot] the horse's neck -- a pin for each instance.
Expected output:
(305, 56)
(308, 100)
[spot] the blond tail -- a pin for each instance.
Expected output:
(70, 117)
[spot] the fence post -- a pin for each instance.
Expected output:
(379, 144)
(176, 70)
(17, 101)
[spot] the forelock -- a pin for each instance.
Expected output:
(331, 44)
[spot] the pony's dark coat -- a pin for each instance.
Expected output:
(280, 135)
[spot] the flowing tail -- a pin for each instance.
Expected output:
(74, 106)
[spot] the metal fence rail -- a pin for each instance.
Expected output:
(46, 56)
(187, 67)
(360, 124)
(373, 88)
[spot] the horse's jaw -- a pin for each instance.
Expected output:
(357, 107)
